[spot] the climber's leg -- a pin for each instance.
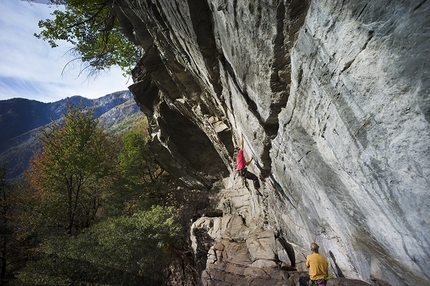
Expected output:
(251, 176)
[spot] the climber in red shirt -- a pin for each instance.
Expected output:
(242, 171)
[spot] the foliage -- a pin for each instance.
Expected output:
(5, 228)
(135, 122)
(136, 161)
(91, 213)
(117, 251)
(15, 232)
(94, 30)
(73, 170)
(140, 180)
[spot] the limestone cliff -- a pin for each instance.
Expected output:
(332, 98)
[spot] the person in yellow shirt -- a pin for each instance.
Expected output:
(318, 267)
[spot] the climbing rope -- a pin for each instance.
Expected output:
(314, 232)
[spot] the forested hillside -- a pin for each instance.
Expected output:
(21, 119)
(92, 208)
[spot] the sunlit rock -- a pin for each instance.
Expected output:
(332, 98)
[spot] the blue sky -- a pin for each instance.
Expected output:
(30, 68)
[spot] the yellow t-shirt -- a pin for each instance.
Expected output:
(318, 266)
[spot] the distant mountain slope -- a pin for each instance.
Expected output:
(21, 119)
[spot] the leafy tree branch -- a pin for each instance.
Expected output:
(95, 33)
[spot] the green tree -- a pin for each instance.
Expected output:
(117, 251)
(141, 182)
(136, 161)
(73, 171)
(93, 28)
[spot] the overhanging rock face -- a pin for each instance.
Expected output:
(332, 98)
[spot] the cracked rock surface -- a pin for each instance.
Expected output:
(332, 98)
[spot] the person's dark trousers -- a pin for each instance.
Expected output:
(250, 176)
(304, 281)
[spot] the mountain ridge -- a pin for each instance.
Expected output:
(21, 119)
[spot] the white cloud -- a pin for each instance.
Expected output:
(30, 68)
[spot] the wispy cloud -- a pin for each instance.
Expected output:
(30, 68)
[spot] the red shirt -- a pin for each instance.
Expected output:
(240, 161)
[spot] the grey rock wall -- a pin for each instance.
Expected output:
(332, 98)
